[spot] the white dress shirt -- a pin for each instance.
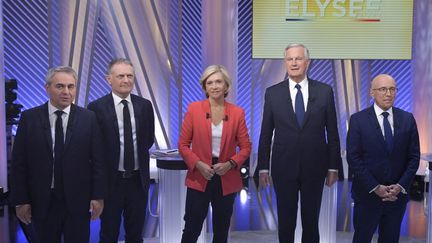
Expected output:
(119, 113)
(52, 120)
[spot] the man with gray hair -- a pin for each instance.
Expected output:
(57, 177)
(127, 124)
(300, 117)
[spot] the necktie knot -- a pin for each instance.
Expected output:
(124, 102)
(59, 113)
(297, 86)
(385, 114)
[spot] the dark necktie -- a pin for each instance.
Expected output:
(387, 132)
(129, 158)
(299, 105)
(58, 151)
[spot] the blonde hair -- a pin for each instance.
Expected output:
(212, 69)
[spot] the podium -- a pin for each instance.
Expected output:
(172, 198)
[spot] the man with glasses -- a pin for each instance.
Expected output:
(383, 152)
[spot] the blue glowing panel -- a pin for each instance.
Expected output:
(175, 84)
(244, 59)
(26, 48)
(192, 54)
(101, 57)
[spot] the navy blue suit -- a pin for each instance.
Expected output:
(301, 155)
(134, 189)
(83, 170)
(373, 165)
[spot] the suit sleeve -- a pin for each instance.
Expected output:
(151, 131)
(185, 140)
(266, 135)
(243, 141)
(19, 168)
(355, 156)
(335, 160)
(98, 162)
(413, 156)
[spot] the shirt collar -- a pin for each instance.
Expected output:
(118, 99)
(303, 83)
(52, 109)
(379, 111)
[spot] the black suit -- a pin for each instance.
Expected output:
(135, 189)
(83, 170)
(301, 155)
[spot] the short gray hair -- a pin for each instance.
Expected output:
(60, 69)
(118, 61)
(306, 50)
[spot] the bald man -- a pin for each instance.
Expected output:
(383, 152)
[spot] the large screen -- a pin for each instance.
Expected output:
(334, 29)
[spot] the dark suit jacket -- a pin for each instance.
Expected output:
(82, 162)
(369, 159)
(144, 121)
(299, 152)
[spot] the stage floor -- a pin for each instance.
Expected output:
(253, 219)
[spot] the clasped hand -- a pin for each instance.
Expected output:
(208, 171)
(388, 193)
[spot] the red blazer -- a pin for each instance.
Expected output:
(196, 131)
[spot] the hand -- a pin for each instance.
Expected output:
(222, 168)
(96, 208)
(206, 171)
(394, 189)
(23, 212)
(332, 177)
(384, 193)
(264, 179)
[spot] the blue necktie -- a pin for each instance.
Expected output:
(387, 132)
(299, 105)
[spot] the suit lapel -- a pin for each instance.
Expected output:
(312, 96)
(286, 99)
(206, 110)
(226, 127)
(396, 126)
(375, 124)
(137, 114)
(70, 125)
(44, 119)
(112, 115)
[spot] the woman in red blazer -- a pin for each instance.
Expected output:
(214, 128)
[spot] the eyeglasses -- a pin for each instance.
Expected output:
(384, 90)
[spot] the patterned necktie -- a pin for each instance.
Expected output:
(387, 132)
(299, 105)
(129, 158)
(58, 151)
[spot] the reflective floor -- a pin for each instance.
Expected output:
(254, 219)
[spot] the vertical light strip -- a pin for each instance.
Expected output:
(3, 159)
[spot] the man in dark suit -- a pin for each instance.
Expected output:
(127, 124)
(383, 152)
(58, 174)
(301, 114)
